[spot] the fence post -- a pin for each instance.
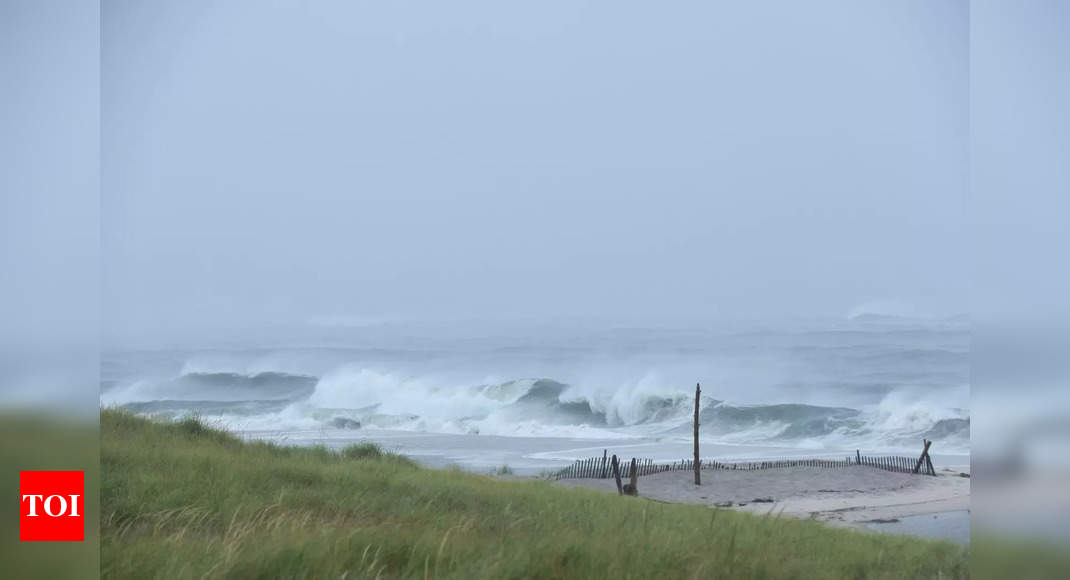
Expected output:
(616, 475)
(924, 455)
(634, 480)
(698, 464)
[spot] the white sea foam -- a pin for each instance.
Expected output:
(818, 388)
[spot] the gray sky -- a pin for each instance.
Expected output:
(275, 162)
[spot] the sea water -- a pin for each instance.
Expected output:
(536, 398)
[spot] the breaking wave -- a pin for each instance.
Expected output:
(213, 387)
(353, 397)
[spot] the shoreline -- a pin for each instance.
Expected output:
(535, 455)
(857, 497)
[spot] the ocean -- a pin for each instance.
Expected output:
(537, 397)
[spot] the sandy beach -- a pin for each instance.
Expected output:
(858, 497)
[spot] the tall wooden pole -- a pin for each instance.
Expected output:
(698, 463)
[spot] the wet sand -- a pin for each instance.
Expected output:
(857, 496)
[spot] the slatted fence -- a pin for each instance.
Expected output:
(599, 467)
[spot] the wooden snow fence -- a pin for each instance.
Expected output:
(600, 468)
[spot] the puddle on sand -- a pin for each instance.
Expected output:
(954, 526)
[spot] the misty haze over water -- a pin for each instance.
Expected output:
(534, 222)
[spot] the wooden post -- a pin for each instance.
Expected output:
(858, 457)
(616, 475)
(698, 464)
(924, 455)
(633, 483)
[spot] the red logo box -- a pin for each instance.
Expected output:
(51, 506)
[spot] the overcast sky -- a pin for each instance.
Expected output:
(278, 162)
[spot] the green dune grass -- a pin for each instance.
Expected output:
(182, 500)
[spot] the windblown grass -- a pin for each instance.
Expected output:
(181, 500)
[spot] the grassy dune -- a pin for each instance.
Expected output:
(181, 500)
